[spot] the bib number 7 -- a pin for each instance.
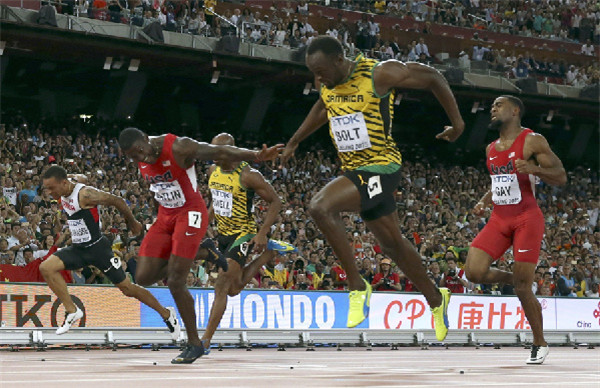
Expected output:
(195, 219)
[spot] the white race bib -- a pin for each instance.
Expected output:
(505, 189)
(79, 231)
(350, 132)
(168, 194)
(222, 202)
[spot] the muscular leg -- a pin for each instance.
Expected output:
(50, 270)
(134, 291)
(337, 196)
(150, 270)
(225, 284)
(478, 270)
(523, 276)
(399, 249)
(231, 283)
(179, 267)
(251, 269)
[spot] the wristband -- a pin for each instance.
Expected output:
(257, 157)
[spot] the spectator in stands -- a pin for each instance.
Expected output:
(435, 272)
(386, 279)
(78, 277)
(412, 51)
(100, 10)
(374, 31)
(521, 68)
(24, 241)
(363, 41)
(28, 192)
(579, 81)
(421, 48)
(478, 52)
(366, 269)
(45, 246)
(566, 282)
(209, 15)
(296, 40)
(593, 292)
(454, 277)
(306, 29)
(114, 11)
(302, 8)
(47, 15)
(191, 280)
(6, 256)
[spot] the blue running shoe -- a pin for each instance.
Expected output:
(206, 345)
(280, 246)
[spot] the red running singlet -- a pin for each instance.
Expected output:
(516, 219)
(182, 216)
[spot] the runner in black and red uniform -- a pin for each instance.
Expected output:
(169, 248)
(90, 247)
(515, 161)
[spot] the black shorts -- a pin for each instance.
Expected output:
(98, 254)
(376, 192)
(235, 247)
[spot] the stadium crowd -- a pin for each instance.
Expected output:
(286, 24)
(434, 205)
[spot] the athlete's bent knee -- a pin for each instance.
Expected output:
(523, 289)
(234, 291)
(317, 209)
(176, 284)
(475, 274)
(46, 268)
(127, 289)
(143, 281)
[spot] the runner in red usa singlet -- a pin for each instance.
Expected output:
(168, 250)
(182, 216)
(515, 161)
(516, 219)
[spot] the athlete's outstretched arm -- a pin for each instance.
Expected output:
(187, 151)
(550, 169)
(317, 117)
(255, 181)
(412, 75)
(90, 197)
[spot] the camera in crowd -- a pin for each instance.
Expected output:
(302, 286)
(387, 282)
(452, 273)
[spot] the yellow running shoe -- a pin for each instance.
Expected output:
(440, 315)
(358, 309)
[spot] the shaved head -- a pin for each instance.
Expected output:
(223, 139)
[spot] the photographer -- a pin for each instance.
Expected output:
(385, 279)
(327, 283)
(302, 282)
(454, 278)
(23, 242)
